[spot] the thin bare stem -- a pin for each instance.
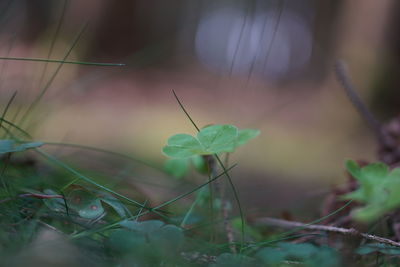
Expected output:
(339, 230)
(33, 195)
(184, 110)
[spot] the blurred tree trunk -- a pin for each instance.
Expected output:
(362, 40)
(386, 86)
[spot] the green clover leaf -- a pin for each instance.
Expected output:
(246, 135)
(379, 190)
(218, 138)
(210, 140)
(182, 146)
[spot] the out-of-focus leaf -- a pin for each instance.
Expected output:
(177, 167)
(246, 135)
(123, 241)
(182, 146)
(85, 203)
(113, 202)
(218, 138)
(379, 190)
(154, 238)
(229, 260)
(210, 140)
(199, 164)
(378, 247)
(304, 253)
(145, 227)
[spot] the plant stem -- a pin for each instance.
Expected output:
(212, 164)
(318, 227)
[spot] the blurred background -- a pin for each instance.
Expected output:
(255, 64)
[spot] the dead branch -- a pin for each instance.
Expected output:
(305, 226)
(344, 79)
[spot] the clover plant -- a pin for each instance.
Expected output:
(379, 190)
(184, 149)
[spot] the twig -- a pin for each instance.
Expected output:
(344, 231)
(344, 79)
(34, 195)
(41, 196)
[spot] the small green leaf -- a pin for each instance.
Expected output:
(369, 213)
(305, 253)
(378, 247)
(246, 135)
(300, 251)
(113, 202)
(353, 168)
(378, 189)
(271, 255)
(85, 203)
(218, 138)
(375, 171)
(182, 146)
(177, 167)
(199, 164)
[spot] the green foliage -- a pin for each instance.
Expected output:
(184, 149)
(210, 140)
(179, 167)
(218, 138)
(229, 259)
(251, 231)
(109, 199)
(200, 164)
(85, 203)
(246, 135)
(378, 247)
(379, 190)
(111, 229)
(304, 253)
(183, 146)
(54, 204)
(146, 242)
